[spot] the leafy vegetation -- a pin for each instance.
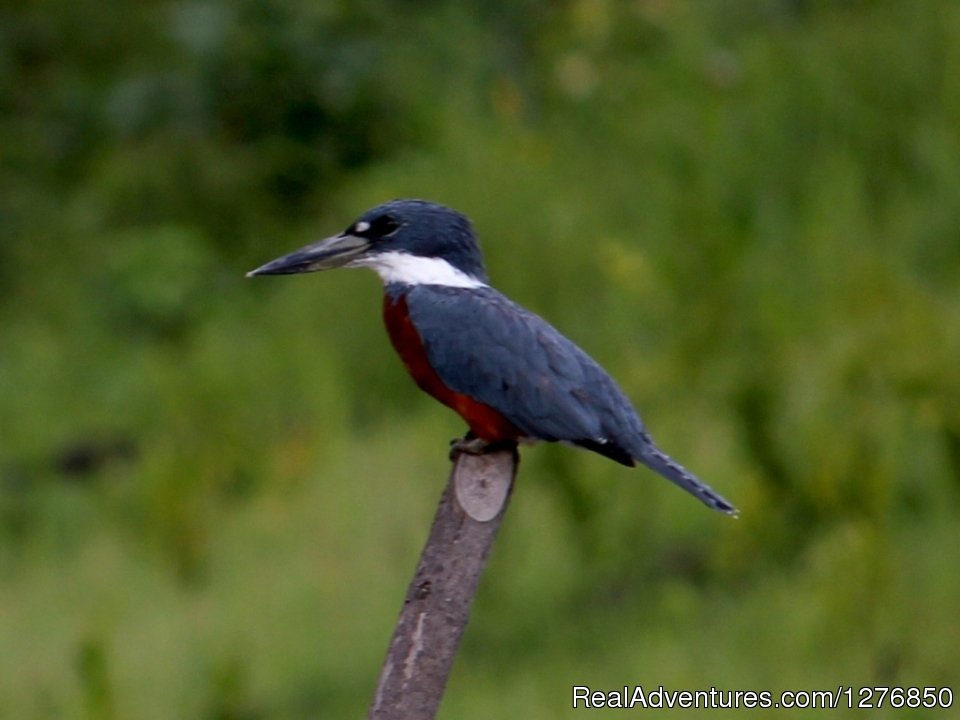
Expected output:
(213, 490)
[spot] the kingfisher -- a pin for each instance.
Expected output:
(505, 370)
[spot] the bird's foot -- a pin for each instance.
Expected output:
(473, 445)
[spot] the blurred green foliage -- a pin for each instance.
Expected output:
(213, 491)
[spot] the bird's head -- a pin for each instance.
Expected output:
(404, 241)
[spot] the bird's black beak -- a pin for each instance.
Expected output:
(332, 252)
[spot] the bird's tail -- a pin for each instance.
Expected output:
(661, 463)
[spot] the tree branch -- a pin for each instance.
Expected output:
(438, 600)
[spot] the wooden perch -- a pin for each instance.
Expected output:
(438, 600)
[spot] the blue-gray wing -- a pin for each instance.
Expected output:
(484, 345)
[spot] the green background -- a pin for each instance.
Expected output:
(213, 490)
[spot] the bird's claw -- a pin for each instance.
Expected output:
(473, 445)
(470, 445)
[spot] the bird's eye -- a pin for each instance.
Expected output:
(380, 227)
(383, 225)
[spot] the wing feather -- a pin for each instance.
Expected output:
(486, 346)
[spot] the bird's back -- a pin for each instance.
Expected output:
(484, 345)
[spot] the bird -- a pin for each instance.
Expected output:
(506, 371)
